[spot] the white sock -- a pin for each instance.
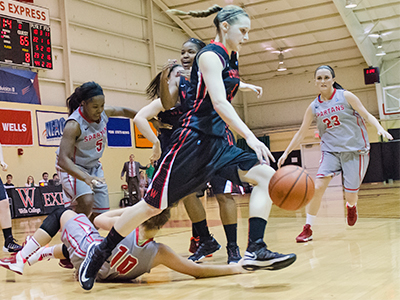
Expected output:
(310, 219)
(44, 253)
(349, 205)
(30, 248)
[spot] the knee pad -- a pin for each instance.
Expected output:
(52, 223)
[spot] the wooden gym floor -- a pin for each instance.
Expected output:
(360, 262)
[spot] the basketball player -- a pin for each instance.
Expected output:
(202, 243)
(5, 216)
(201, 151)
(135, 255)
(344, 143)
(82, 145)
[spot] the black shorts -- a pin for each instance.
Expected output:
(220, 185)
(193, 160)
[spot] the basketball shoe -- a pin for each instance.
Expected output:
(65, 263)
(233, 253)
(208, 246)
(10, 245)
(258, 257)
(14, 263)
(194, 244)
(352, 215)
(95, 257)
(305, 235)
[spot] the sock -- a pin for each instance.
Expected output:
(231, 233)
(44, 253)
(194, 231)
(202, 229)
(111, 240)
(310, 219)
(30, 248)
(7, 232)
(349, 205)
(256, 228)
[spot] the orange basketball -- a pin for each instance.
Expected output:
(291, 187)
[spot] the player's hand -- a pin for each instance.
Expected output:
(166, 68)
(262, 151)
(156, 152)
(3, 165)
(257, 89)
(385, 134)
(282, 159)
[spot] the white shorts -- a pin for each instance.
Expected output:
(353, 166)
(73, 188)
(78, 233)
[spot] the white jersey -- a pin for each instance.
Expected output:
(89, 146)
(340, 127)
(128, 260)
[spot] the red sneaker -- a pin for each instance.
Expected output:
(194, 244)
(352, 215)
(305, 235)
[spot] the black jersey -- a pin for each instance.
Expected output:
(173, 115)
(200, 114)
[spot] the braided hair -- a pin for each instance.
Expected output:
(153, 89)
(330, 69)
(229, 13)
(85, 92)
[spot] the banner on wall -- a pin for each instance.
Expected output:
(119, 132)
(16, 127)
(50, 127)
(141, 141)
(19, 86)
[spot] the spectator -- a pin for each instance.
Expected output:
(150, 172)
(55, 181)
(8, 184)
(142, 184)
(45, 179)
(131, 171)
(30, 181)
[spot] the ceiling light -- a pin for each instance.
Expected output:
(281, 66)
(350, 4)
(379, 41)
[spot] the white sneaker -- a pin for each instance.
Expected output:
(14, 263)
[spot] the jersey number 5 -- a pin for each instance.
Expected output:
(124, 263)
(99, 145)
(331, 122)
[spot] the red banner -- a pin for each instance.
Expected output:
(16, 127)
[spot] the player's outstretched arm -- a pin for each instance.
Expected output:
(167, 257)
(106, 220)
(356, 104)
(115, 111)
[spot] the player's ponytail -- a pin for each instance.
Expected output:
(158, 221)
(229, 13)
(330, 69)
(153, 89)
(84, 92)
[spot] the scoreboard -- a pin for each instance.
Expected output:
(25, 35)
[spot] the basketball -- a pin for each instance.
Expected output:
(291, 187)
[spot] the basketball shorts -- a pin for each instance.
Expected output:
(3, 194)
(353, 166)
(73, 188)
(78, 233)
(193, 159)
(220, 185)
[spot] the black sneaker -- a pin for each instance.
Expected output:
(91, 265)
(207, 247)
(258, 257)
(233, 253)
(10, 245)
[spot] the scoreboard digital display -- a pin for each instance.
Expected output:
(24, 42)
